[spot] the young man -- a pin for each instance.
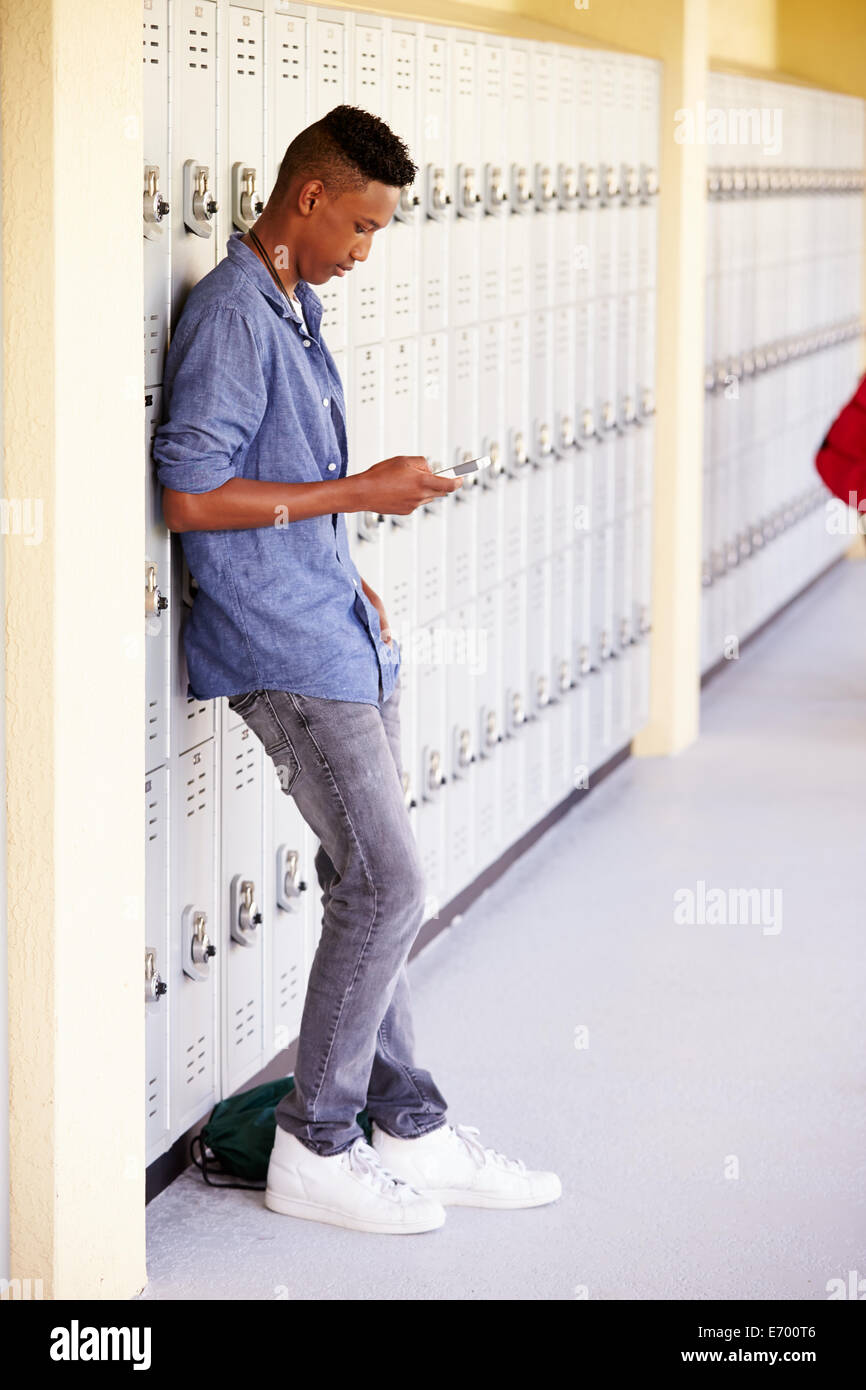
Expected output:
(253, 458)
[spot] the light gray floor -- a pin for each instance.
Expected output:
(711, 1138)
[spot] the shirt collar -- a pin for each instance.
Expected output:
(258, 272)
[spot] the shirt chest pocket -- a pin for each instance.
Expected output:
(257, 710)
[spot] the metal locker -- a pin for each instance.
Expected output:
(649, 83)
(157, 599)
(488, 697)
(516, 444)
(430, 554)
(243, 176)
(289, 68)
(537, 728)
(491, 499)
(567, 248)
(563, 680)
(516, 703)
(461, 508)
(628, 173)
(520, 205)
(243, 925)
(157, 963)
(399, 533)
(438, 185)
(564, 437)
(366, 424)
(544, 180)
(402, 251)
(366, 291)
(195, 191)
(193, 981)
(461, 657)
(328, 77)
(539, 521)
(464, 264)
(157, 187)
(291, 894)
(588, 183)
(428, 676)
(493, 176)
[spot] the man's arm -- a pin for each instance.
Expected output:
(244, 503)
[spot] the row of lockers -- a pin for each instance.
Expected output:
(783, 338)
(537, 162)
(488, 321)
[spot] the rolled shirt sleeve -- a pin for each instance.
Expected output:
(215, 399)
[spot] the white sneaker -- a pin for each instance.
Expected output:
(351, 1189)
(452, 1166)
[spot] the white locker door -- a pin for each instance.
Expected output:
(439, 190)
(400, 532)
(366, 432)
(491, 393)
(543, 86)
(461, 659)
(537, 729)
(514, 537)
(243, 895)
(402, 252)
(489, 829)
(564, 423)
(193, 988)
(292, 899)
(430, 556)
(520, 204)
(157, 627)
(515, 703)
(157, 1006)
(539, 520)
(288, 75)
(566, 224)
(195, 248)
(428, 676)
(492, 227)
(244, 172)
(328, 78)
(461, 508)
(157, 185)
(562, 675)
(464, 268)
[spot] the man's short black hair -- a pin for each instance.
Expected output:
(347, 149)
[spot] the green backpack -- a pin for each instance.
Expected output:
(240, 1135)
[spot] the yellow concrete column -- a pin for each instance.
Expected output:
(73, 375)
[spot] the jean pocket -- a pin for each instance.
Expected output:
(262, 717)
(239, 704)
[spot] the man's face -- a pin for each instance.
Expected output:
(333, 233)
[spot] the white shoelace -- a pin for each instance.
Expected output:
(364, 1160)
(467, 1134)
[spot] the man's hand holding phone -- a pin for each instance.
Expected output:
(398, 485)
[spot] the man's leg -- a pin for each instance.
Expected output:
(395, 1087)
(335, 760)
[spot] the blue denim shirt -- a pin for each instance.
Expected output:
(247, 393)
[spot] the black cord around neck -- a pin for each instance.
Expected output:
(270, 266)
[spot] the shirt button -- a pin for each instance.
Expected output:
(324, 400)
(306, 342)
(331, 467)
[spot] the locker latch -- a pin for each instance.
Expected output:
(438, 199)
(545, 188)
(629, 413)
(154, 986)
(406, 209)
(608, 416)
(522, 198)
(587, 425)
(610, 189)
(490, 730)
(517, 454)
(565, 681)
(155, 206)
(649, 182)
(199, 205)
(516, 711)
(197, 947)
(585, 663)
(495, 192)
(647, 403)
(542, 692)
(408, 798)
(368, 525)
(630, 183)
(566, 433)
(154, 601)
(588, 184)
(469, 200)
(433, 775)
(644, 624)
(544, 441)
(245, 915)
(289, 886)
(706, 574)
(247, 205)
(569, 185)
(490, 476)
(463, 755)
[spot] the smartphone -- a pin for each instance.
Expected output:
(470, 466)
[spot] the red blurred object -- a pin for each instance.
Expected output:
(841, 459)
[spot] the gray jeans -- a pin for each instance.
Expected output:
(340, 761)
